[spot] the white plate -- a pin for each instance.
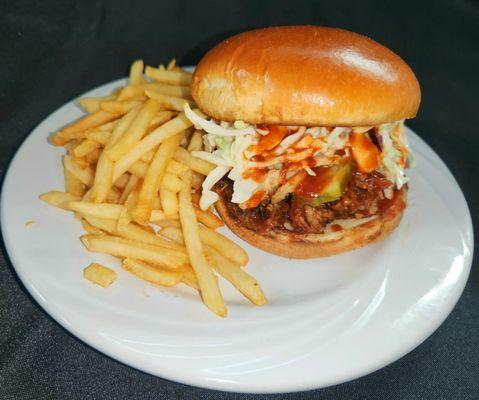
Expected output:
(328, 320)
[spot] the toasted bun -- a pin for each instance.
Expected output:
(321, 245)
(305, 75)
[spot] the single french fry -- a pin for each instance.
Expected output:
(92, 104)
(160, 118)
(171, 182)
(59, 199)
(73, 185)
(104, 170)
(208, 218)
(196, 141)
(154, 177)
(241, 280)
(168, 222)
(156, 203)
(226, 247)
(210, 291)
(133, 92)
(150, 142)
(158, 216)
(125, 214)
(81, 162)
(148, 156)
(169, 202)
(109, 126)
(172, 233)
(119, 107)
(168, 102)
(99, 136)
(122, 181)
(197, 180)
(135, 132)
(89, 228)
(152, 274)
(113, 195)
(176, 168)
(188, 277)
(139, 169)
(170, 77)
(85, 147)
(129, 188)
(171, 65)
(136, 73)
(93, 156)
(76, 129)
(196, 164)
(84, 175)
(103, 210)
(99, 274)
(120, 247)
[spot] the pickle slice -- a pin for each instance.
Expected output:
(334, 189)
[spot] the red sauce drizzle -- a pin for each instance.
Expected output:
(256, 174)
(336, 228)
(269, 141)
(311, 185)
(255, 199)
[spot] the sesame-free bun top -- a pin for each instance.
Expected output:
(305, 75)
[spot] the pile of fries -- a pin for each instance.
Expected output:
(132, 182)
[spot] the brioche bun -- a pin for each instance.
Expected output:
(320, 245)
(305, 75)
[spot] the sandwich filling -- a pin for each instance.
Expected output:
(301, 179)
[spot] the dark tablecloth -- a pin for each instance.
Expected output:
(52, 51)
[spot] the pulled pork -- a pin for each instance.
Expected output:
(361, 199)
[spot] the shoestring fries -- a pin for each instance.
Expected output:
(132, 182)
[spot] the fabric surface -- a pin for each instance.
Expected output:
(52, 51)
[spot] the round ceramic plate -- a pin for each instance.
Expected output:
(327, 321)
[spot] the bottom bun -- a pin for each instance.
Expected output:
(321, 245)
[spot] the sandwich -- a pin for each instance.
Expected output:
(305, 127)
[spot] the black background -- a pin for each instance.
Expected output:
(52, 51)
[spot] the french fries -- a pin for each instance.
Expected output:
(73, 185)
(194, 163)
(168, 102)
(152, 274)
(208, 219)
(196, 141)
(210, 291)
(150, 142)
(244, 282)
(99, 274)
(119, 107)
(120, 247)
(216, 241)
(84, 175)
(128, 167)
(153, 178)
(78, 128)
(171, 77)
(135, 132)
(169, 202)
(59, 199)
(105, 167)
(136, 73)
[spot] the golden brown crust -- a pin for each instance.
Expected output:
(305, 75)
(321, 245)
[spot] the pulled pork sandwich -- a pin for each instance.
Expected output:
(305, 125)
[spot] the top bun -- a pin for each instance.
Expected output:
(305, 75)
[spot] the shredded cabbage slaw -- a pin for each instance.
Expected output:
(228, 146)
